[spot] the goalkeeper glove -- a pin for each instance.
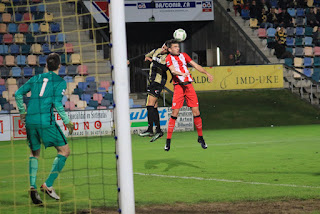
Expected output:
(23, 118)
(70, 127)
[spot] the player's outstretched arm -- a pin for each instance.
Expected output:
(201, 69)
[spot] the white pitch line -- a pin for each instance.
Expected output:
(226, 180)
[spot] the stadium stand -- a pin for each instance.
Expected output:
(300, 21)
(23, 54)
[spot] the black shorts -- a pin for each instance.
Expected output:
(155, 89)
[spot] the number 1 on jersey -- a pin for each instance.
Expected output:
(44, 85)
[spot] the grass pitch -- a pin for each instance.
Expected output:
(253, 164)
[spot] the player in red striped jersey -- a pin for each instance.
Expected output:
(177, 63)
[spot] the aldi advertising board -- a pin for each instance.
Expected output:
(159, 11)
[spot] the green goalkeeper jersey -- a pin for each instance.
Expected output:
(47, 90)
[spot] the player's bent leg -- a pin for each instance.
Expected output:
(198, 125)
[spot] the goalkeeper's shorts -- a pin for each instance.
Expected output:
(49, 135)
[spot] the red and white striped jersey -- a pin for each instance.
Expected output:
(180, 64)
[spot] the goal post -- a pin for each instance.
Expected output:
(122, 114)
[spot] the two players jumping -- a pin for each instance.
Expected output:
(183, 89)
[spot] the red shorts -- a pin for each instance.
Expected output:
(182, 92)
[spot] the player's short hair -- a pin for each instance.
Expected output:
(53, 62)
(170, 42)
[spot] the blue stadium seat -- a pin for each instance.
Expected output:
(16, 72)
(55, 27)
(29, 38)
(25, 49)
(34, 27)
(299, 51)
(300, 21)
(14, 49)
(89, 108)
(307, 61)
(85, 97)
(2, 88)
(83, 85)
(288, 61)
(72, 70)
(93, 103)
(308, 41)
(300, 12)
(299, 31)
(43, 59)
(62, 71)
(33, 9)
(316, 61)
(52, 39)
(5, 72)
(274, 3)
(4, 50)
(46, 49)
(289, 49)
(78, 91)
(290, 31)
(245, 14)
(18, 17)
(68, 79)
(12, 28)
(271, 32)
(90, 79)
(64, 99)
(307, 72)
(41, 8)
(292, 12)
(27, 72)
(21, 60)
(298, 41)
(61, 38)
(308, 31)
(316, 74)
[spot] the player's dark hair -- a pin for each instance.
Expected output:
(170, 42)
(53, 62)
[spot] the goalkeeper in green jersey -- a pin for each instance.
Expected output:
(47, 90)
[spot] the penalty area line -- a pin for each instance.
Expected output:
(226, 180)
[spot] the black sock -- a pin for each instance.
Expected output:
(157, 119)
(150, 118)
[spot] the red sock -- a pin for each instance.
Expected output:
(198, 124)
(172, 123)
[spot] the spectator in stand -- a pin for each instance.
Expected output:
(316, 37)
(284, 18)
(254, 11)
(230, 61)
(281, 35)
(272, 18)
(265, 5)
(238, 58)
(263, 19)
(283, 4)
(281, 52)
(311, 18)
(318, 14)
(237, 6)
